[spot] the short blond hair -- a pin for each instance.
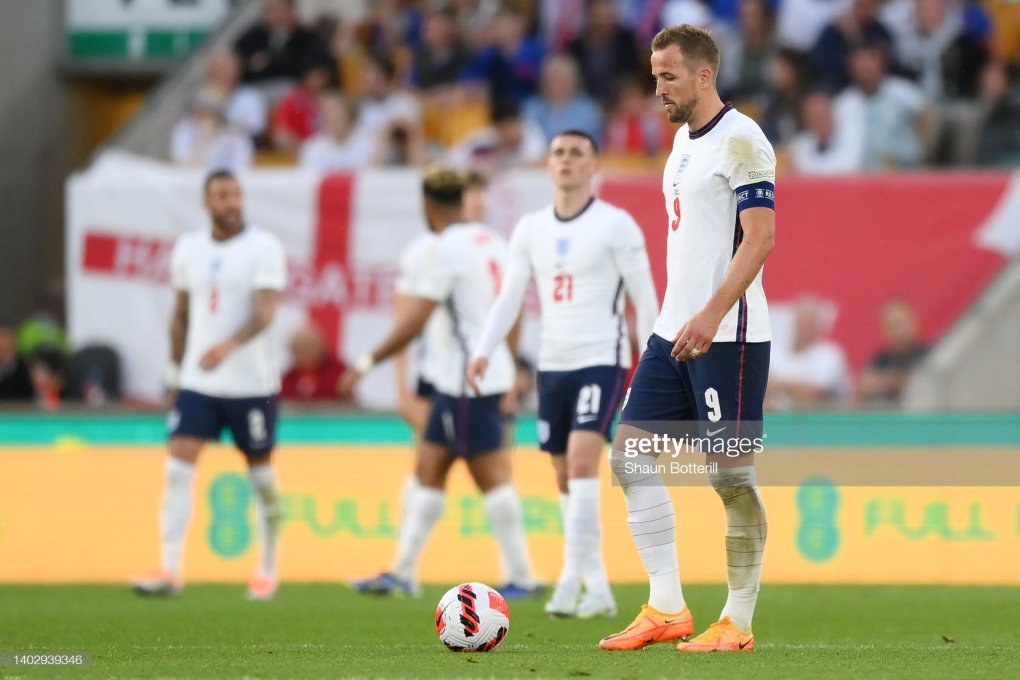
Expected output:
(444, 186)
(695, 43)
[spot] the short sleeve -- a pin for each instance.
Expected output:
(751, 168)
(438, 275)
(271, 268)
(179, 264)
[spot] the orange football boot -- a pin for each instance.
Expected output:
(651, 627)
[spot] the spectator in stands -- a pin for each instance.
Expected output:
(698, 13)
(203, 139)
(890, 114)
(812, 372)
(936, 49)
(999, 143)
(857, 26)
(510, 142)
(509, 66)
(48, 370)
(15, 381)
(754, 51)
(391, 115)
(780, 109)
(801, 22)
(635, 128)
(393, 28)
(560, 106)
(474, 201)
(342, 144)
(442, 57)
(275, 51)
(947, 62)
(820, 148)
(606, 51)
(314, 372)
(884, 379)
(298, 116)
(243, 106)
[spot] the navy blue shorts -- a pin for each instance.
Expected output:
(425, 389)
(251, 420)
(583, 399)
(727, 384)
(467, 426)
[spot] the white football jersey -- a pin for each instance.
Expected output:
(582, 267)
(413, 263)
(463, 272)
(221, 278)
(710, 176)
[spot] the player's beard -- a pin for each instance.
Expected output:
(682, 112)
(229, 223)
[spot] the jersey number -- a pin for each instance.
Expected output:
(675, 224)
(589, 400)
(712, 402)
(496, 274)
(564, 290)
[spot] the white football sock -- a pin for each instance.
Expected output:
(746, 531)
(423, 508)
(652, 523)
(564, 503)
(267, 511)
(507, 519)
(176, 512)
(584, 534)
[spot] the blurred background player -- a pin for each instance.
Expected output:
(585, 254)
(708, 360)
(228, 282)
(464, 272)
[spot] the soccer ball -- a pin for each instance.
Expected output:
(472, 617)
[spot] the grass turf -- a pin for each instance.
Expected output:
(326, 631)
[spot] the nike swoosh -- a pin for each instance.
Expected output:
(671, 620)
(744, 643)
(589, 419)
(712, 433)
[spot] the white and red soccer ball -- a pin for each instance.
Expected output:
(472, 617)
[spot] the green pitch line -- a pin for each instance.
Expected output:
(822, 429)
(327, 631)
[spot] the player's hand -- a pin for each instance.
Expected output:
(509, 404)
(475, 372)
(216, 354)
(348, 383)
(695, 338)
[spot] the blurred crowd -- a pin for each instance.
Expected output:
(838, 85)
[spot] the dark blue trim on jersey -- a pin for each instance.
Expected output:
(757, 195)
(738, 238)
(619, 310)
(575, 215)
(707, 127)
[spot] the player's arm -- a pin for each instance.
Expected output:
(405, 329)
(262, 315)
(504, 320)
(632, 260)
(178, 340)
(401, 303)
(759, 224)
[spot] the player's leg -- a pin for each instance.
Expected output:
(194, 419)
(599, 391)
(424, 499)
(488, 461)
(252, 423)
(730, 389)
(556, 399)
(659, 392)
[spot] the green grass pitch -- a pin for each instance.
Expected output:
(327, 631)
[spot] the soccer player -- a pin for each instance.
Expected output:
(228, 281)
(463, 274)
(707, 361)
(584, 254)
